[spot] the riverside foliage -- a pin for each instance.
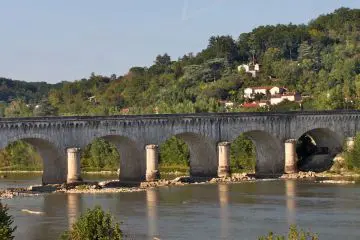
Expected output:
(294, 234)
(352, 156)
(6, 224)
(94, 224)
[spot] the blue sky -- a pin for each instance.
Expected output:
(52, 41)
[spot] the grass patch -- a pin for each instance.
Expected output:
(174, 168)
(21, 168)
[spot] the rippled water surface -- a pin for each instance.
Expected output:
(237, 211)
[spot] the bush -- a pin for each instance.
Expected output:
(6, 221)
(95, 224)
(294, 234)
(352, 156)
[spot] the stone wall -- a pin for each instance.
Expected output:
(53, 135)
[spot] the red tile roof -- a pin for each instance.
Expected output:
(250, 105)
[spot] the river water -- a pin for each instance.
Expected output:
(235, 211)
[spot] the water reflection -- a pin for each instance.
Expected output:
(152, 212)
(290, 191)
(223, 190)
(73, 207)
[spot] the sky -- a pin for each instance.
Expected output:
(53, 41)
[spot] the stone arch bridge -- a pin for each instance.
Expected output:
(58, 139)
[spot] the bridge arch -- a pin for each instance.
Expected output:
(53, 157)
(132, 156)
(317, 147)
(203, 153)
(269, 151)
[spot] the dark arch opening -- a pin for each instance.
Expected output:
(100, 160)
(268, 152)
(242, 155)
(35, 154)
(131, 162)
(202, 154)
(316, 149)
(174, 158)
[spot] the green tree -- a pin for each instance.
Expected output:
(6, 224)
(352, 156)
(44, 108)
(242, 154)
(94, 224)
(20, 156)
(174, 152)
(18, 108)
(100, 155)
(294, 234)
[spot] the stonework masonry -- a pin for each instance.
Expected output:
(152, 172)
(224, 159)
(290, 156)
(73, 161)
(52, 136)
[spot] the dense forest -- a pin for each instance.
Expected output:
(320, 59)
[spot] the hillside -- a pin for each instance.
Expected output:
(320, 59)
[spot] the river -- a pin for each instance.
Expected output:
(235, 211)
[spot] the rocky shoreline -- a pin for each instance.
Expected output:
(116, 186)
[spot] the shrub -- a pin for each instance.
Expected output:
(352, 156)
(95, 224)
(294, 234)
(6, 221)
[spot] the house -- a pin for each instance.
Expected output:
(250, 105)
(276, 99)
(125, 110)
(250, 68)
(291, 96)
(264, 103)
(227, 104)
(272, 90)
(92, 99)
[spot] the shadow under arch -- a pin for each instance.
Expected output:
(203, 154)
(316, 149)
(54, 160)
(132, 159)
(269, 152)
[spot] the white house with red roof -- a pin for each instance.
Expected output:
(272, 90)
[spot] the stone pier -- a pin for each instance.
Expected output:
(290, 156)
(350, 141)
(224, 159)
(152, 172)
(74, 170)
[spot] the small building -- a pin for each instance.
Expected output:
(227, 104)
(278, 98)
(250, 105)
(125, 110)
(92, 99)
(265, 90)
(264, 103)
(292, 96)
(250, 68)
